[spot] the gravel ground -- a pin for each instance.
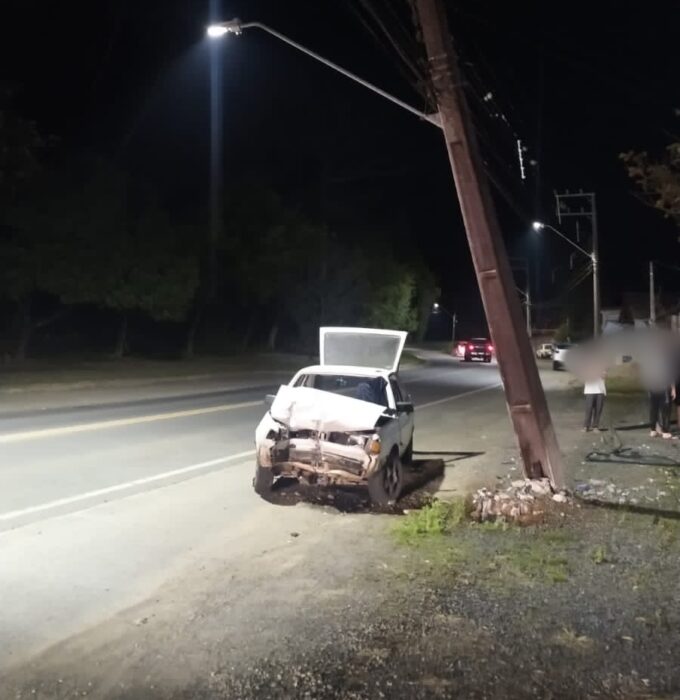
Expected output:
(588, 606)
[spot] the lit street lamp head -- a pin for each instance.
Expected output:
(219, 29)
(537, 225)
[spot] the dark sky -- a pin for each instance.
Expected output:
(577, 82)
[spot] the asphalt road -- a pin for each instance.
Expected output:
(101, 504)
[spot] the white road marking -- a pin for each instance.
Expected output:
(14, 514)
(15, 437)
(458, 396)
(121, 422)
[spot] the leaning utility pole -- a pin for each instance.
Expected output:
(652, 300)
(523, 391)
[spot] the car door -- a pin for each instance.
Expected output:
(405, 417)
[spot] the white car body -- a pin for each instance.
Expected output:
(317, 428)
(545, 351)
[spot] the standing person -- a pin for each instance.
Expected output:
(660, 412)
(594, 390)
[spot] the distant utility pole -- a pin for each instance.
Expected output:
(582, 204)
(523, 265)
(523, 391)
(652, 299)
(528, 302)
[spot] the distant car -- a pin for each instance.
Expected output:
(545, 351)
(559, 355)
(478, 349)
(346, 421)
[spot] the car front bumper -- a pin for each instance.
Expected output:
(317, 461)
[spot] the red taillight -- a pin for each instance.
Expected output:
(490, 348)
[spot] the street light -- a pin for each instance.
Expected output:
(235, 26)
(539, 226)
(436, 308)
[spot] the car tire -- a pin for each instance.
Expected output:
(467, 358)
(487, 360)
(407, 457)
(555, 366)
(263, 481)
(384, 487)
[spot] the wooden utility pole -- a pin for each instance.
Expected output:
(566, 207)
(652, 300)
(526, 401)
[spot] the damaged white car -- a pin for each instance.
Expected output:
(345, 421)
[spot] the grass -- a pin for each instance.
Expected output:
(437, 518)
(495, 553)
(533, 561)
(569, 639)
(669, 532)
(409, 359)
(623, 385)
(599, 555)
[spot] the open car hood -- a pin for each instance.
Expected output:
(368, 348)
(302, 408)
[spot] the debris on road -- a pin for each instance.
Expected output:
(525, 502)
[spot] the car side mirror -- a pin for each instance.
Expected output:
(269, 399)
(405, 407)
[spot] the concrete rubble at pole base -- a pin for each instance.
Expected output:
(525, 502)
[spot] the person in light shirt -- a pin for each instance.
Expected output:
(594, 391)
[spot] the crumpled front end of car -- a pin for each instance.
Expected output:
(324, 458)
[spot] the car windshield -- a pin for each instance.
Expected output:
(371, 389)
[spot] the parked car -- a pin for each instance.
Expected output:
(478, 349)
(345, 421)
(559, 355)
(545, 351)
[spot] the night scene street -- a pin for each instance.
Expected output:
(339, 350)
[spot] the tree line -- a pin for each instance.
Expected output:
(87, 234)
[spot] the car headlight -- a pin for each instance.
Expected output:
(373, 445)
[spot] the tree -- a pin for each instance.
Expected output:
(82, 238)
(390, 302)
(657, 180)
(427, 293)
(135, 261)
(20, 146)
(272, 252)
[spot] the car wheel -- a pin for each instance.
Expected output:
(487, 360)
(555, 366)
(385, 485)
(466, 358)
(263, 481)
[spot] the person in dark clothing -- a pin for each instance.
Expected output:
(594, 391)
(660, 412)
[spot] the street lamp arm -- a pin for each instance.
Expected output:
(439, 307)
(568, 240)
(432, 118)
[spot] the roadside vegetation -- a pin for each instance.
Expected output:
(443, 541)
(96, 259)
